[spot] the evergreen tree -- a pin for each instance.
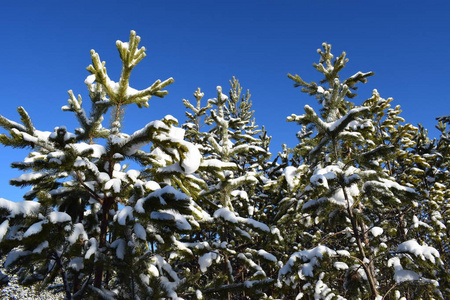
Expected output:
(233, 260)
(429, 223)
(89, 218)
(357, 210)
(349, 195)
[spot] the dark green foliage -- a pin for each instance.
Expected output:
(357, 210)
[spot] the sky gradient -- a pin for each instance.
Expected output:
(45, 51)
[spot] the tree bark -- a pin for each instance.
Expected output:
(356, 233)
(98, 278)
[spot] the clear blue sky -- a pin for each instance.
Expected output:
(45, 50)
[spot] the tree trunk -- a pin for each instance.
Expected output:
(356, 233)
(98, 279)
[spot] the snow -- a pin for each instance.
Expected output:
(76, 263)
(290, 173)
(41, 135)
(229, 216)
(169, 284)
(80, 162)
(192, 158)
(103, 177)
(424, 252)
(319, 180)
(90, 79)
(153, 270)
(34, 229)
(436, 217)
(27, 177)
(114, 184)
(56, 156)
(251, 210)
(190, 161)
(152, 185)
(13, 291)
(405, 275)
(180, 221)
(332, 126)
(401, 275)
(119, 245)
(150, 128)
(253, 223)
(103, 293)
(171, 215)
(226, 214)
(92, 248)
(376, 231)
(133, 175)
(309, 259)
(206, 260)
(340, 265)
(267, 256)
(78, 231)
(322, 291)
(418, 223)
(337, 198)
(27, 137)
(162, 216)
(176, 133)
(124, 214)
(344, 253)
(140, 232)
(59, 131)
(98, 150)
(144, 279)
(14, 255)
(329, 172)
(392, 184)
(3, 229)
(59, 217)
(41, 247)
(158, 194)
(216, 163)
(240, 194)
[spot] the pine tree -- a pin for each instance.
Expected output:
(349, 194)
(429, 223)
(103, 227)
(233, 260)
(357, 210)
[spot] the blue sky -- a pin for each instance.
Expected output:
(45, 50)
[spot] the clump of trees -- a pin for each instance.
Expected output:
(358, 209)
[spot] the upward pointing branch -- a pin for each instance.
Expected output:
(121, 93)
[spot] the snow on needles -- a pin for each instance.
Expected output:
(206, 260)
(34, 229)
(3, 229)
(290, 173)
(20, 208)
(424, 252)
(308, 260)
(59, 217)
(97, 150)
(401, 275)
(124, 214)
(229, 216)
(139, 207)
